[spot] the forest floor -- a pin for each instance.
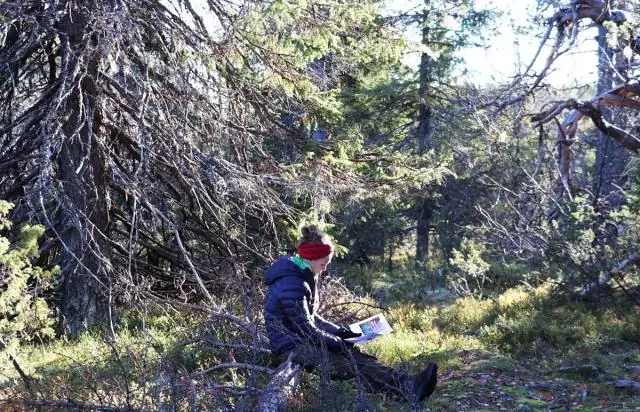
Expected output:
(488, 382)
(532, 353)
(517, 352)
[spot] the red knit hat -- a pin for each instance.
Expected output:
(313, 251)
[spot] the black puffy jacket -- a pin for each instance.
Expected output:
(289, 309)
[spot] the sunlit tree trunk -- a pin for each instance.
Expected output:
(611, 157)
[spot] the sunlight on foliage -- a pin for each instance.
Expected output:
(24, 314)
(467, 315)
(140, 368)
(469, 276)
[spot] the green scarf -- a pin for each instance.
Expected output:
(302, 264)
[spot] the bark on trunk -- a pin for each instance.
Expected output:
(83, 218)
(611, 158)
(275, 396)
(423, 135)
(425, 214)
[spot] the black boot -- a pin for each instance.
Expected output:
(424, 383)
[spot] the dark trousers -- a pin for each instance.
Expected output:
(372, 374)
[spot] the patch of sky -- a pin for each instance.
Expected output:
(506, 47)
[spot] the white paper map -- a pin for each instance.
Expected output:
(371, 328)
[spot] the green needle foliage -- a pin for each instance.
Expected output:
(24, 314)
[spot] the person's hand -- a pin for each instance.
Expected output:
(345, 333)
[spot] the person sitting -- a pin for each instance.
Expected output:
(294, 326)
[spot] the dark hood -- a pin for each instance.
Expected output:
(284, 267)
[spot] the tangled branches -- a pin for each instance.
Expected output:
(138, 139)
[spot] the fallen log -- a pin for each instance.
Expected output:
(284, 382)
(603, 280)
(626, 384)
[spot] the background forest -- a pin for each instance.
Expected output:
(156, 156)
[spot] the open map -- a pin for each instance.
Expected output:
(371, 328)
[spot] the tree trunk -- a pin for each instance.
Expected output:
(81, 169)
(425, 213)
(611, 158)
(390, 260)
(423, 136)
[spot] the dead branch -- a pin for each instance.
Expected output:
(632, 259)
(142, 140)
(567, 20)
(217, 343)
(240, 365)
(66, 405)
(625, 384)
(624, 96)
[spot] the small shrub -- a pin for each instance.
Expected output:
(24, 314)
(467, 315)
(469, 269)
(512, 332)
(628, 330)
(413, 318)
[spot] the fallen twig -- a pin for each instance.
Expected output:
(66, 405)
